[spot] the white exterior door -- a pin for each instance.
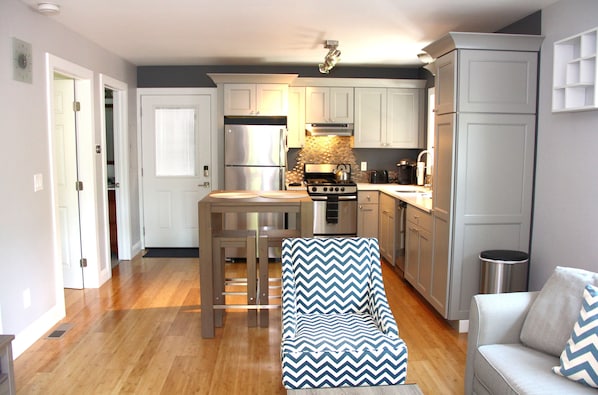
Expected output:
(176, 141)
(65, 154)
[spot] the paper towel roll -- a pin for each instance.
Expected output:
(421, 168)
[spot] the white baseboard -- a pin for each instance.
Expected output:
(462, 326)
(136, 249)
(37, 329)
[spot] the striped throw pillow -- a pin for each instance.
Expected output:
(579, 360)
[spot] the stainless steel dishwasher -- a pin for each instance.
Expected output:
(401, 219)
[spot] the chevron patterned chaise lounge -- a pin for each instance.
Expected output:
(337, 327)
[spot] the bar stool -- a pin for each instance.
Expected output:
(269, 238)
(239, 239)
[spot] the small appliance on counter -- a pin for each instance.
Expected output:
(379, 177)
(406, 172)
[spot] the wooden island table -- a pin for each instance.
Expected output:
(211, 219)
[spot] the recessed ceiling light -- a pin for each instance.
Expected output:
(48, 8)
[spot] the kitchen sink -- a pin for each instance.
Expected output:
(416, 193)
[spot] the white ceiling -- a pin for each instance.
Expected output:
(280, 32)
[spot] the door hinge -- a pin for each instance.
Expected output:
(76, 106)
(83, 262)
(78, 185)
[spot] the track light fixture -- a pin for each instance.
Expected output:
(332, 57)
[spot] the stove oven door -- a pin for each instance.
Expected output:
(335, 219)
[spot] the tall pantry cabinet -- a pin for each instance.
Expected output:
(485, 128)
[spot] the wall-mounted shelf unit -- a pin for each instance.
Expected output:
(575, 73)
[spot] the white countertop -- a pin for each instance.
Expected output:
(421, 200)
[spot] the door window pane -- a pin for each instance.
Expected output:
(175, 141)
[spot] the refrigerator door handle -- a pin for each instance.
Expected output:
(282, 178)
(285, 146)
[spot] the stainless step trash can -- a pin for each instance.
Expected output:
(503, 271)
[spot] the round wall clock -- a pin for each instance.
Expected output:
(21, 60)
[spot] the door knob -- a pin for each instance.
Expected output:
(206, 184)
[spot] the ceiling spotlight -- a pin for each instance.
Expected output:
(332, 57)
(48, 8)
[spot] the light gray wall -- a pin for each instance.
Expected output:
(26, 245)
(565, 231)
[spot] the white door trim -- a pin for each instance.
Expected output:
(121, 157)
(215, 146)
(87, 169)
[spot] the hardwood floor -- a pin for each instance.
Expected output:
(140, 334)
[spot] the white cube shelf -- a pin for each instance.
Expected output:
(575, 73)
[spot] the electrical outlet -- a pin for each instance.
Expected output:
(27, 298)
(364, 166)
(38, 182)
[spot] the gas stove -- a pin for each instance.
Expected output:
(334, 197)
(321, 180)
(332, 188)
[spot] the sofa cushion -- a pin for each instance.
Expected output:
(550, 320)
(579, 360)
(516, 369)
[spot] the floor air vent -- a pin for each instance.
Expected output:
(60, 331)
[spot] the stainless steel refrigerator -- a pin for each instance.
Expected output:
(255, 155)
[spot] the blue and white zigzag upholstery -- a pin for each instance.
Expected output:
(338, 329)
(579, 360)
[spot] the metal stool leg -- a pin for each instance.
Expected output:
(251, 282)
(264, 293)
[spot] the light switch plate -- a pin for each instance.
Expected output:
(22, 61)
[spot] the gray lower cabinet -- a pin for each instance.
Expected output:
(388, 229)
(367, 213)
(418, 250)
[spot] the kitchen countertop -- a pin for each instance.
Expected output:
(421, 200)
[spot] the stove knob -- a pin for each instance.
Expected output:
(342, 189)
(336, 189)
(325, 189)
(314, 189)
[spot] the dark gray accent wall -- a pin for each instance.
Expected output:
(196, 76)
(531, 24)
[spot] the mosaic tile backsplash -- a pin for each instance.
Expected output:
(330, 149)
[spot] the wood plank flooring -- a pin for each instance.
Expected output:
(140, 334)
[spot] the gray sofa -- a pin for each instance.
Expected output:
(516, 338)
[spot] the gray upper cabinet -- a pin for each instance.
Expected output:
(256, 99)
(388, 118)
(484, 156)
(296, 117)
(329, 104)
(495, 73)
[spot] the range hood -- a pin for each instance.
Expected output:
(329, 129)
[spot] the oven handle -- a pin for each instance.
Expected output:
(340, 198)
